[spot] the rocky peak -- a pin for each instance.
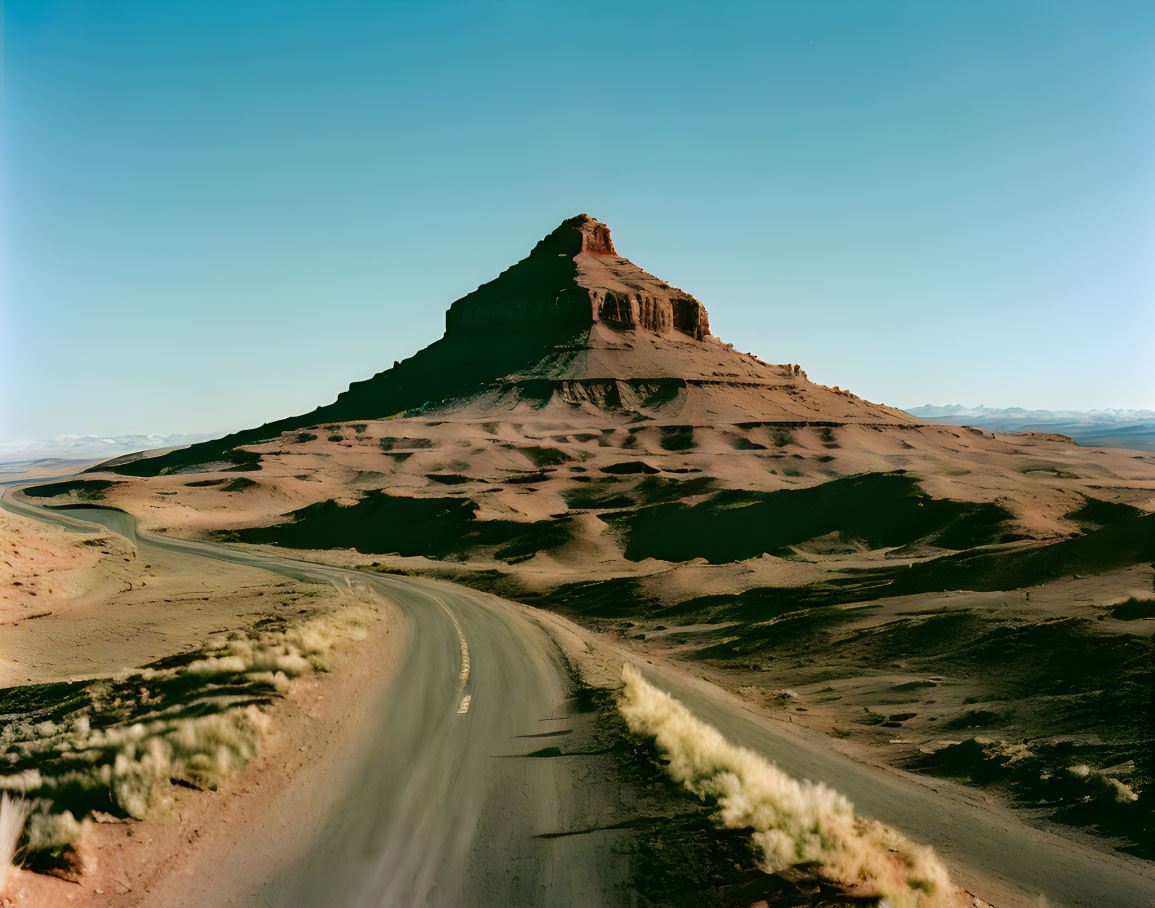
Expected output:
(595, 236)
(572, 279)
(579, 235)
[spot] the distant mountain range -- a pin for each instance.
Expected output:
(1116, 428)
(89, 447)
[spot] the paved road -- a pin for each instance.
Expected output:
(445, 809)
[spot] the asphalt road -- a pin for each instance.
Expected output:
(446, 808)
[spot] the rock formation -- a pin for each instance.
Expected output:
(573, 279)
(574, 324)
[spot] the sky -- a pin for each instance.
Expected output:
(213, 214)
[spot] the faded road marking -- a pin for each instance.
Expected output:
(463, 674)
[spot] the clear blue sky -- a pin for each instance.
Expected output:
(216, 213)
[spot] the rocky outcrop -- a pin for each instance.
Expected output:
(657, 313)
(572, 279)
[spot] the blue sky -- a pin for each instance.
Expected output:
(215, 214)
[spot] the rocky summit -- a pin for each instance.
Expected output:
(574, 279)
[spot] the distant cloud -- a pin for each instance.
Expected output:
(1134, 429)
(1089, 417)
(88, 447)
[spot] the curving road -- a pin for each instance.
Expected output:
(447, 808)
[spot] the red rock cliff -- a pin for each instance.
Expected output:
(573, 278)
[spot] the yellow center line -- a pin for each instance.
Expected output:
(463, 673)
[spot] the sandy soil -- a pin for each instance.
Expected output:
(1039, 478)
(80, 605)
(258, 819)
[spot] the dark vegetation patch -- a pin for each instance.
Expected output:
(826, 436)
(526, 478)
(242, 462)
(604, 604)
(782, 438)
(658, 489)
(677, 438)
(85, 489)
(878, 509)
(912, 685)
(1134, 610)
(614, 599)
(545, 457)
(596, 496)
(200, 483)
(336, 438)
(360, 476)
(1096, 513)
(382, 524)
(519, 541)
(628, 467)
(303, 437)
(239, 484)
(390, 443)
(741, 443)
(448, 479)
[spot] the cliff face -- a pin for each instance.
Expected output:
(571, 280)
